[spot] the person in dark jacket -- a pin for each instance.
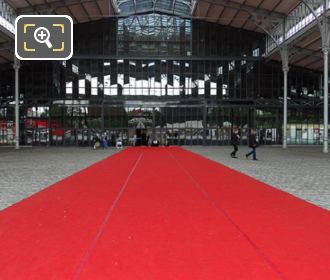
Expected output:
(234, 142)
(252, 144)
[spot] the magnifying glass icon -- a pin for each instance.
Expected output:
(41, 35)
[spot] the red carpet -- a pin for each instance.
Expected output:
(163, 213)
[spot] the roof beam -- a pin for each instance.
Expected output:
(297, 61)
(300, 51)
(208, 10)
(230, 23)
(308, 65)
(5, 58)
(86, 12)
(99, 9)
(7, 46)
(248, 9)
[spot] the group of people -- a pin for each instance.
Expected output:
(141, 138)
(100, 141)
(253, 143)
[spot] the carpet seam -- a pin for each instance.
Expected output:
(229, 219)
(80, 266)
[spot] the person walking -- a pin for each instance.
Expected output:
(252, 144)
(234, 142)
(104, 142)
(96, 142)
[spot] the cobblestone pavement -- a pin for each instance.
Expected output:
(302, 171)
(29, 170)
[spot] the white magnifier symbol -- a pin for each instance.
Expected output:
(41, 35)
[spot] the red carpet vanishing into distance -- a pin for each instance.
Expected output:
(162, 214)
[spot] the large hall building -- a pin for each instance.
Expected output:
(183, 70)
(164, 140)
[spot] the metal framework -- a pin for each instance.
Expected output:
(7, 19)
(175, 7)
(285, 67)
(299, 21)
(249, 9)
(307, 15)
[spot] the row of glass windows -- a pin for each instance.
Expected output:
(226, 79)
(73, 125)
(174, 116)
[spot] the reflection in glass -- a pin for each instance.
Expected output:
(188, 85)
(68, 88)
(176, 85)
(114, 90)
(126, 89)
(94, 85)
(120, 79)
(106, 82)
(163, 78)
(213, 89)
(82, 86)
(132, 85)
(200, 86)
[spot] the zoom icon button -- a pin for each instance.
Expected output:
(39, 35)
(43, 37)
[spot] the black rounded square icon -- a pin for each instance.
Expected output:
(40, 37)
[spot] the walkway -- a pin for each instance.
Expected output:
(303, 171)
(163, 213)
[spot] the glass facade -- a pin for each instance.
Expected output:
(185, 80)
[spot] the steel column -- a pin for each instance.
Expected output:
(325, 100)
(16, 67)
(285, 68)
(285, 109)
(325, 36)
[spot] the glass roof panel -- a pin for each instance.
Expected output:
(174, 7)
(164, 5)
(143, 5)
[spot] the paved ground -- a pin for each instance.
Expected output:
(301, 171)
(29, 170)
